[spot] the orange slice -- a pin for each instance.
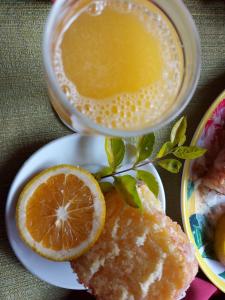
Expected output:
(61, 212)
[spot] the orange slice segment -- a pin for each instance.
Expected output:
(61, 212)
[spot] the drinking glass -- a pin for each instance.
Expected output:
(184, 25)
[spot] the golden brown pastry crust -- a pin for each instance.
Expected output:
(139, 256)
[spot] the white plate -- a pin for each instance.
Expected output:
(75, 149)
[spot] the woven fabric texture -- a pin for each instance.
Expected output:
(27, 120)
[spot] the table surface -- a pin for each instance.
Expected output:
(27, 120)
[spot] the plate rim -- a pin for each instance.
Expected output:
(11, 193)
(8, 205)
(219, 283)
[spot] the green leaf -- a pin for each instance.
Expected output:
(199, 229)
(106, 186)
(190, 188)
(145, 147)
(115, 150)
(182, 140)
(127, 186)
(149, 180)
(191, 152)
(171, 165)
(103, 172)
(197, 236)
(178, 133)
(222, 275)
(165, 149)
(209, 251)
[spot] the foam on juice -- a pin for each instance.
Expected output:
(129, 109)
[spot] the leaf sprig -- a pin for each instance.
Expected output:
(166, 158)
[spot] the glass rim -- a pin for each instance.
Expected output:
(85, 121)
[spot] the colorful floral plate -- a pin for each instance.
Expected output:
(201, 207)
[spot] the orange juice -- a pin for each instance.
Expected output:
(120, 63)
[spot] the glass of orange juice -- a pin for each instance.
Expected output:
(120, 67)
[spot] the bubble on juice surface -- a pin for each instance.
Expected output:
(96, 7)
(146, 106)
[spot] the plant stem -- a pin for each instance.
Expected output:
(140, 164)
(119, 172)
(133, 168)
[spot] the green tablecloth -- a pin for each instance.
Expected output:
(27, 121)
